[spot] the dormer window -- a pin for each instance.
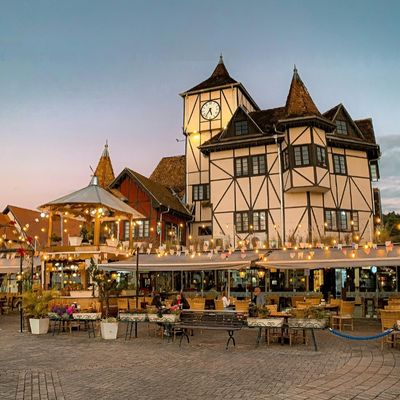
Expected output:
(341, 127)
(241, 128)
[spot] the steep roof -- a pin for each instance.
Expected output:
(160, 193)
(171, 172)
(366, 127)
(219, 77)
(104, 170)
(299, 102)
(37, 226)
(266, 119)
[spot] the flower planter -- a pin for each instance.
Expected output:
(109, 330)
(134, 317)
(166, 318)
(39, 326)
(87, 316)
(265, 322)
(307, 323)
(75, 240)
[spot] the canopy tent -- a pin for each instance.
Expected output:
(210, 261)
(94, 196)
(347, 257)
(92, 202)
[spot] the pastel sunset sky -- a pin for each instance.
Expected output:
(76, 73)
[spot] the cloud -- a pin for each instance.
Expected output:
(389, 183)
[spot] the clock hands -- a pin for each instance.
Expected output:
(209, 111)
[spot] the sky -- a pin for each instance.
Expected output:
(76, 73)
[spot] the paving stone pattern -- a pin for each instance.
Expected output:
(74, 367)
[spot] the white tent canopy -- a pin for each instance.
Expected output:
(211, 261)
(347, 257)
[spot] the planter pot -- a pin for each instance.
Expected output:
(135, 317)
(166, 318)
(112, 242)
(109, 330)
(265, 322)
(39, 326)
(75, 240)
(307, 323)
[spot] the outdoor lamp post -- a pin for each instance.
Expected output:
(19, 281)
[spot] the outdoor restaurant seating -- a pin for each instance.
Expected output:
(242, 306)
(219, 305)
(389, 319)
(345, 316)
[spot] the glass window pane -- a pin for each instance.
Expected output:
(306, 159)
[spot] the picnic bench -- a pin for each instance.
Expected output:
(210, 320)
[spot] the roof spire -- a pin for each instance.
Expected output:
(221, 59)
(295, 73)
(104, 170)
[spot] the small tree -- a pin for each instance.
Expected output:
(105, 282)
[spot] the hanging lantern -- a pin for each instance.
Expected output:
(261, 273)
(114, 276)
(242, 273)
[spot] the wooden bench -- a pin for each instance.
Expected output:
(210, 320)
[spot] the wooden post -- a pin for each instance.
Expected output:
(130, 234)
(97, 224)
(50, 229)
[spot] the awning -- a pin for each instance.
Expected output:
(203, 262)
(12, 265)
(347, 257)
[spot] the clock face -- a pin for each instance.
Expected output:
(210, 110)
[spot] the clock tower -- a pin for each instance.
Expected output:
(207, 109)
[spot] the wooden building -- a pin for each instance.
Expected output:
(280, 176)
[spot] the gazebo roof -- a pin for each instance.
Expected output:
(91, 196)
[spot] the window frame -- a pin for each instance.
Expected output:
(341, 220)
(301, 147)
(285, 159)
(341, 127)
(238, 163)
(205, 191)
(241, 128)
(339, 157)
(374, 177)
(319, 150)
(239, 227)
(251, 227)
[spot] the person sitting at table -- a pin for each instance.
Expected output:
(258, 298)
(225, 301)
(181, 301)
(156, 301)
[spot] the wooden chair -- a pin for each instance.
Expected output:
(219, 305)
(303, 305)
(393, 307)
(123, 305)
(132, 303)
(242, 306)
(335, 302)
(197, 304)
(297, 299)
(345, 316)
(272, 307)
(388, 319)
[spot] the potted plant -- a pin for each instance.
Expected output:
(36, 307)
(136, 315)
(55, 239)
(106, 284)
(314, 317)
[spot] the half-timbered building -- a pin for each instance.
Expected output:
(280, 176)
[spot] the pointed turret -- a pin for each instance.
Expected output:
(219, 77)
(299, 102)
(104, 171)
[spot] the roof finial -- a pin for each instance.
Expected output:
(221, 59)
(295, 73)
(105, 151)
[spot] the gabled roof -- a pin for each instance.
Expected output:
(92, 195)
(367, 128)
(38, 226)
(299, 102)
(7, 230)
(219, 77)
(160, 193)
(104, 170)
(171, 172)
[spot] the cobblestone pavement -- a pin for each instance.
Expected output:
(74, 367)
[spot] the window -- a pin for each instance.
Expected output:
(205, 231)
(321, 157)
(248, 166)
(126, 230)
(339, 164)
(242, 221)
(330, 220)
(241, 128)
(255, 221)
(341, 127)
(373, 167)
(201, 192)
(141, 229)
(341, 220)
(258, 165)
(285, 159)
(301, 156)
(259, 221)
